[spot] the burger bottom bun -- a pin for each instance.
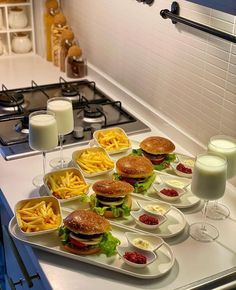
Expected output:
(109, 187)
(108, 213)
(78, 251)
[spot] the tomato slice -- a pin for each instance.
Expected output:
(77, 243)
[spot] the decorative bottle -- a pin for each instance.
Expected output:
(59, 24)
(67, 37)
(51, 11)
(76, 66)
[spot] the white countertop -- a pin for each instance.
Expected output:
(194, 260)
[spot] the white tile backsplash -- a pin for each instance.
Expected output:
(184, 73)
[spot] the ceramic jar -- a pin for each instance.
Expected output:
(17, 18)
(21, 43)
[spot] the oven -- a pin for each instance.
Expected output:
(92, 110)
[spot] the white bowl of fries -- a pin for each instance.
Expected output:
(36, 216)
(113, 140)
(93, 161)
(66, 184)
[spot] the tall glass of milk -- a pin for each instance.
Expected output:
(43, 136)
(226, 146)
(62, 108)
(208, 183)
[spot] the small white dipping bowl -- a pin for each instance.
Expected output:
(180, 173)
(154, 207)
(150, 256)
(137, 214)
(160, 187)
(144, 242)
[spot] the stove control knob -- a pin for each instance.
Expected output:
(78, 132)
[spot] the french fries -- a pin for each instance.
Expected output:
(94, 160)
(112, 140)
(37, 216)
(66, 185)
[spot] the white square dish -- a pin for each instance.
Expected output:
(34, 214)
(66, 184)
(93, 161)
(113, 140)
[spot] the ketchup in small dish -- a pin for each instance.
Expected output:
(135, 257)
(147, 220)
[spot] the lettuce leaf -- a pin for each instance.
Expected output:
(64, 235)
(144, 185)
(123, 210)
(108, 244)
(170, 157)
(166, 163)
(137, 152)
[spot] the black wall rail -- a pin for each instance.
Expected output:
(174, 16)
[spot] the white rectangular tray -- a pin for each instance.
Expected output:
(51, 243)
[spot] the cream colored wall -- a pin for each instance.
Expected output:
(188, 75)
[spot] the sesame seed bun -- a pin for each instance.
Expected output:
(112, 188)
(86, 222)
(157, 145)
(134, 167)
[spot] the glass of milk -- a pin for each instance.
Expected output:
(226, 146)
(43, 136)
(62, 108)
(208, 183)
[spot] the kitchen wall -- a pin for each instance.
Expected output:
(188, 75)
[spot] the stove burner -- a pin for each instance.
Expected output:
(93, 111)
(11, 99)
(23, 125)
(68, 91)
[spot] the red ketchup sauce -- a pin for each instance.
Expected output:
(183, 169)
(169, 192)
(135, 257)
(148, 219)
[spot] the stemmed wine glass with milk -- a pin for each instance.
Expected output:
(43, 136)
(208, 183)
(226, 146)
(62, 108)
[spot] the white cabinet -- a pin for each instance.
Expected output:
(16, 21)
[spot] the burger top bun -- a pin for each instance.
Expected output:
(134, 167)
(86, 222)
(157, 145)
(112, 188)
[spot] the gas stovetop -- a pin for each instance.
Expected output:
(92, 110)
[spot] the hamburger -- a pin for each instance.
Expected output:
(112, 198)
(158, 150)
(85, 233)
(136, 170)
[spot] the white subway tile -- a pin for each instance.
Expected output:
(232, 69)
(223, 16)
(230, 97)
(222, 25)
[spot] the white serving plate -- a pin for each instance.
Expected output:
(51, 243)
(174, 224)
